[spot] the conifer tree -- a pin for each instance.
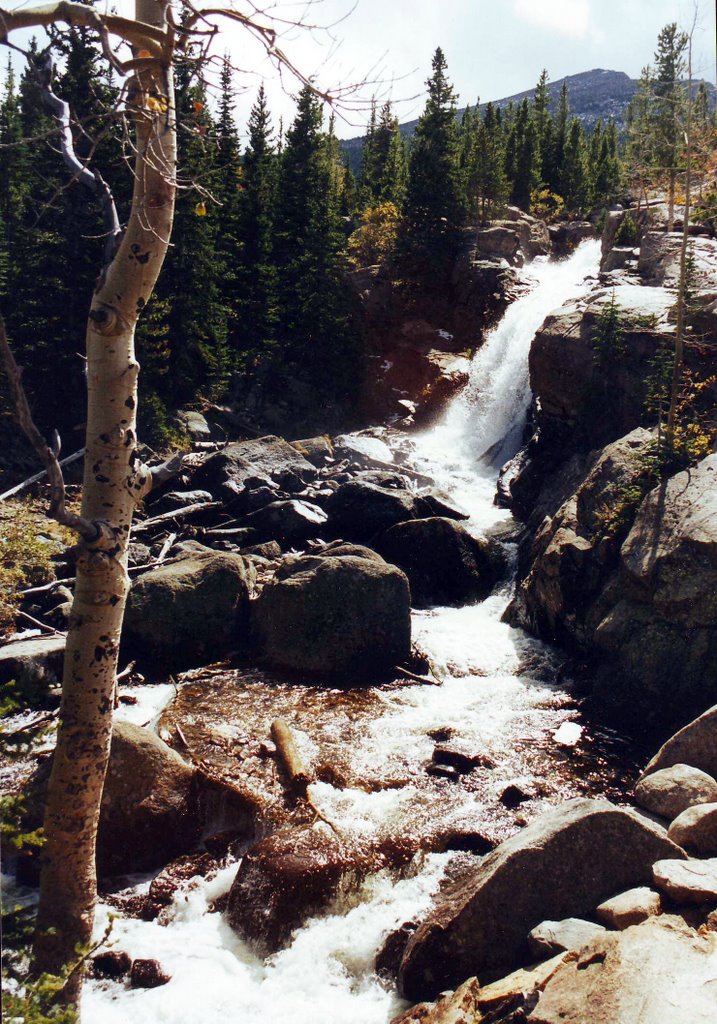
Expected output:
(527, 158)
(434, 208)
(314, 323)
(543, 124)
(553, 163)
(574, 176)
(668, 108)
(228, 192)
(391, 162)
(258, 296)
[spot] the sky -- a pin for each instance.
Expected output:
(493, 48)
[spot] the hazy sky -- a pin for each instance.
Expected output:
(493, 47)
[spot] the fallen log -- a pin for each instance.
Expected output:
(177, 513)
(290, 757)
(38, 476)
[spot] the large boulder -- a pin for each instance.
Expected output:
(225, 473)
(660, 634)
(336, 616)
(695, 744)
(34, 663)
(696, 830)
(155, 806)
(671, 791)
(444, 564)
(562, 865)
(359, 510)
(290, 521)
(190, 610)
(575, 551)
(657, 971)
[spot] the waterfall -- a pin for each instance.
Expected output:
(483, 426)
(494, 696)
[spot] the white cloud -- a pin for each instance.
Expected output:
(567, 17)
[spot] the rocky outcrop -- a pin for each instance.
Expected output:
(660, 634)
(339, 617)
(190, 610)
(659, 262)
(633, 975)
(575, 551)
(598, 401)
(444, 564)
(539, 874)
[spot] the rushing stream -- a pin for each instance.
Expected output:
(499, 694)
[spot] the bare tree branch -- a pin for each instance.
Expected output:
(58, 510)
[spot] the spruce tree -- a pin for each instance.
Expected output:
(527, 158)
(574, 176)
(668, 107)
(228, 192)
(258, 293)
(434, 210)
(314, 323)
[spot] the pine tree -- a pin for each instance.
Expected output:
(370, 172)
(543, 124)
(574, 176)
(667, 114)
(391, 161)
(527, 158)
(258, 299)
(606, 172)
(552, 166)
(314, 324)
(228, 192)
(434, 209)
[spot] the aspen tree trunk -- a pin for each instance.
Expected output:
(113, 481)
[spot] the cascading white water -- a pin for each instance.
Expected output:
(488, 698)
(483, 426)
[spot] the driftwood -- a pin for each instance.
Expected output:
(299, 778)
(178, 513)
(40, 625)
(405, 673)
(290, 757)
(39, 476)
(164, 551)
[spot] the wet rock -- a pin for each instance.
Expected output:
(113, 964)
(670, 791)
(460, 756)
(269, 456)
(340, 549)
(687, 881)
(519, 792)
(435, 503)
(567, 235)
(291, 875)
(629, 908)
(553, 937)
(695, 830)
(358, 511)
(190, 610)
(633, 975)
(443, 771)
(35, 663)
(444, 564)
(164, 886)
(287, 521)
(339, 617)
(539, 874)
(147, 974)
(389, 956)
(695, 744)
(499, 241)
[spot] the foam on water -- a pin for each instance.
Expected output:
(492, 695)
